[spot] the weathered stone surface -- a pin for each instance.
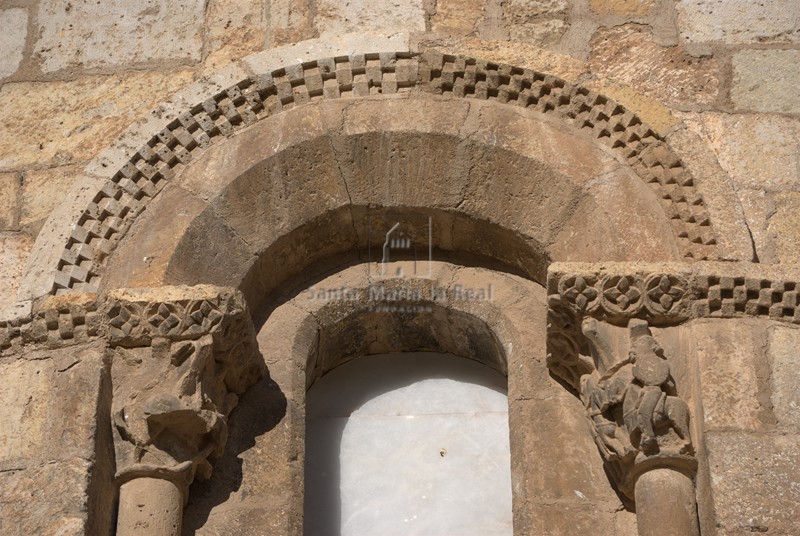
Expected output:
(519, 54)
(627, 8)
(547, 518)
(525, 134)
(549, 196)
(335, 18)
(549, 474)
(312, 49)
(669, 75)
(734, 374)
(209, 252)
(15, 248)
(619, 220)
(652, 112)
(290, 21)
(222, 164)
(45, 499)
(739, 22)
(456, 17)
(273, 515)
(148, 125)
(50, 243)
(758, 207)
(88, 35)
(10, 184)
(42, 191)
(755, 483)
(234, 29)
(783, 351)
(759, 152)
(783, 230)
(665, 504)
(142, 261)
(257, 482)
(535, 22)
(281, 193)
(50, 413)
(14, 23)
(726, 214)
(415, 146)
(767, 80)
(149, 506)
(24, 413)
(55, 123)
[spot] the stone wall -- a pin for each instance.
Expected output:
(748, 379)
(76, 75)
(716, 79)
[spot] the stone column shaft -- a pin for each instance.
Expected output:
(665, 504)
(150, 507)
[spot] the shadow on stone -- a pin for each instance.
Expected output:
(260, 409)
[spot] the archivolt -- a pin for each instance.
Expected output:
(122, 199)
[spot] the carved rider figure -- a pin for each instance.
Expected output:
(649, 402)
(632, 402)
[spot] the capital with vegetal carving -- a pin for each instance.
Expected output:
(181, 358)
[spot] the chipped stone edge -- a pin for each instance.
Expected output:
(49, 245)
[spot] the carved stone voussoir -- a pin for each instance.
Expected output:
(182, 356)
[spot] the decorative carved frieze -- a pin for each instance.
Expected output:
(59, 321)
(670, 293)
(182, 356)
(116, 205)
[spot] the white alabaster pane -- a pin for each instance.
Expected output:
(411, 444)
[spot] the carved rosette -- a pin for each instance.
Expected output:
(182, 356)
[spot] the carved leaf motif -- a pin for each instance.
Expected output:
(201, 317)
(123, 320)
(164, 318)
(187, 362)
(566, 349)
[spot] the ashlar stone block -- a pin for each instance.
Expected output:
(784, 349)
(86, 34)
(334, 17)
(766, 80)
(739, 22)
(756, 483)
(14, 23)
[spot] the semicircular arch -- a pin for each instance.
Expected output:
(118, 204)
